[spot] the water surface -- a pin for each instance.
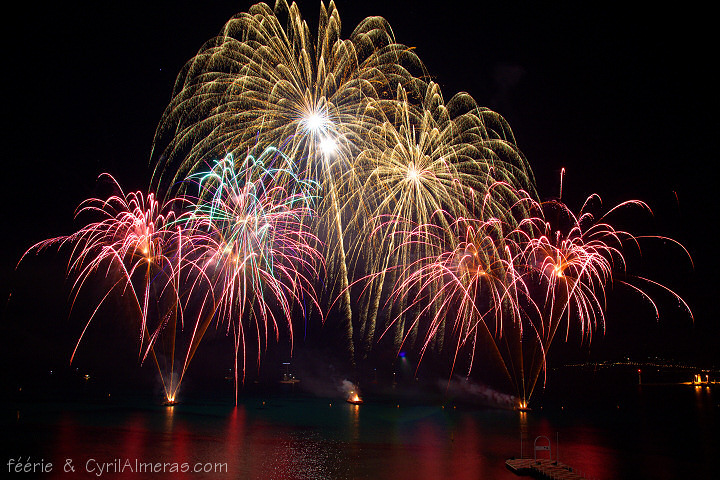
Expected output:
(661, 432)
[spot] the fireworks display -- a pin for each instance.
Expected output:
(135, 245)
(238, 243)
(249, 227)
(302, 175)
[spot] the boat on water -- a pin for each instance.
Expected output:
(287, 377)
(290, 380)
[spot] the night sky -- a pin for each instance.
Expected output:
(624, 100)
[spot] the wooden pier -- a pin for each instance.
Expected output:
(542, 469)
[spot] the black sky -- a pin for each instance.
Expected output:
(624, 99)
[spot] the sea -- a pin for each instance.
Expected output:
(653, 431)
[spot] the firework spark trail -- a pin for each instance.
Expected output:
(260, 81)
(243, 243)
(573, 258)
(133, 243)
(429, 205)
(260, 78)
(357, 113)
(510, 285)
(569, 260)
(467, 293)
(259, 257)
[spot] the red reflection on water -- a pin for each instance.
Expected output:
(431, 448)
(465, 461)
(180, 440)
(234, 439)
(66, 436)
(134, 439)
(587, 454)
(579, 448)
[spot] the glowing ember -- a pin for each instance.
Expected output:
(354, 398)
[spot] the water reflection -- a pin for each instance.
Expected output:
(132, 443)
(306, 438)
(354, 422)
(464, 462)
(235, 434)
(523, 417)
(169, 415)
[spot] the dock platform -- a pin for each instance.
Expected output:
(542, 469)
